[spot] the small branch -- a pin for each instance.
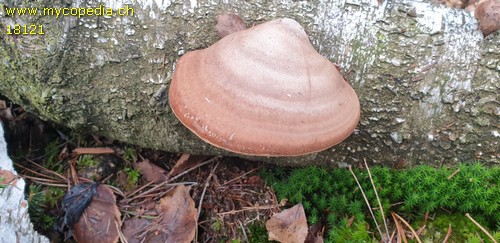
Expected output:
(453, 174)
(99, 150)
(246, 173)
(142, 194)
(481, 227)
(448, 235)
(399, 229)
(409, 227)
(281, 204)
(207, 182)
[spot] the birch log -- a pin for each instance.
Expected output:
(428, 81)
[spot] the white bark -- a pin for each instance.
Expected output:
(14, 219)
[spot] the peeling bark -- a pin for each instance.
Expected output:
(427, 80)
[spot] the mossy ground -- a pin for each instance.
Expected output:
(332, 197)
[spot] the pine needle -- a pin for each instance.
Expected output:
(378, 199)
(366, 200)
(481, 227)
(409, 227)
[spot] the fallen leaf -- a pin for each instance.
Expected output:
(7, 178)
(6, 114)
(176, 220)
(288, 226)
(350, 221)
(178, 215)
(186, 161)
(315, 234)
(150, 171)
(101, 220)
(74, 203)
(132, 228)
(253, 179)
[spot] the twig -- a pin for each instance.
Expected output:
(447, 234)
(59, 146)
(282, 203)
(378, 199)
(419, 231)
(195, 167)
(367, 203)
(99, 150)
(45, 169)
(246, 173)
(453, 174)
(409, 227)
(123, 239)
(207, 182)
(244, 231)
(173, 178)
(42, 180)
(481, 227)
(140, 189)
(392, 235)
(148, 192)
(116, 190)
(399, 229)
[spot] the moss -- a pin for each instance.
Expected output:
(333, 194)
(462, 228)
(258, 233)
(42, 202)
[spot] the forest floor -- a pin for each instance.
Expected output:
(232, 195)
(226, 199)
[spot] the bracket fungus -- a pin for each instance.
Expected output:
(264, 91)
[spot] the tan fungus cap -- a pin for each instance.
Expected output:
(264, 91)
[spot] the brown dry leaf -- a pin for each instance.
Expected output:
(101, 220)
(176, 222)
(185, 162)
(7, 178)
(315, 234)
(5, 111)
(6, 114)
(132, 229)
(178, 215)
(350, 221)
(288, 226)
(253, 179)
(150, 171)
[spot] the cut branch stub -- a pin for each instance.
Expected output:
(264, 91)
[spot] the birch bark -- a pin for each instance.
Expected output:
(428, 81)
(14, 218)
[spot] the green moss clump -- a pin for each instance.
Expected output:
(43, 201)
(333, 195)
(258, 234)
